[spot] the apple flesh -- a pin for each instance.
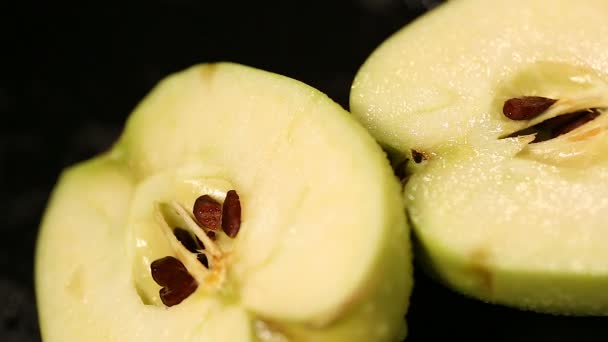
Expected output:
(322, 253)
(499, 216)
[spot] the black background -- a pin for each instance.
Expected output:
(70, 74)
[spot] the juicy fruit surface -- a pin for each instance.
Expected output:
(501, 219)
(445, 77)
(515, 231)
(323, 251)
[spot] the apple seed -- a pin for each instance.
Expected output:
(526, 107)
(559, 125)
(231, 217)
(208, 212)
(580, 120)
(177, 284)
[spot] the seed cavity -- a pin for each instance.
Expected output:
(202, 258)
(199, 260)
(418, 156)
(231, 216)
(526, 107)
(186, 239)
(208, 212)
(210, 247)
(200, 243)
(174, 212)
(401, 170)
(177, 284)
(559, 125)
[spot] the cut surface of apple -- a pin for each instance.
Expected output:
(494, 112)
(321, 253)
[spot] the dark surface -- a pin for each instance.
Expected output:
(71, 75)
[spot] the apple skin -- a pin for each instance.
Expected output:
(89, 257)
(437, 86)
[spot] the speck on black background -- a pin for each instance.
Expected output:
(70, 74)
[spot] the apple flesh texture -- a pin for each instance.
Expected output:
(323, 252)
(501, 220)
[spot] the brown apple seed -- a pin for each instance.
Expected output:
(208, 212)
(171, 296)
(576, 123)
(211, 235)
(526, 107)
(231, 216)
(177, 284)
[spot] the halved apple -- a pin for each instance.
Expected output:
(318, 249)
(496, 110)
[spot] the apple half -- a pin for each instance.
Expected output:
(493, 112)
(321, 253)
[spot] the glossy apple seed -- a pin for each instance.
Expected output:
(208, 212)
(172, 296)
(580, 120)
(231, 216)
(177, 284)
(526, 107)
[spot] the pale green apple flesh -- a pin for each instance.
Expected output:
(323, 250)
(500, 217)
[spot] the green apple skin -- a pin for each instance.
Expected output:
(499, 219)
(323, 253)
